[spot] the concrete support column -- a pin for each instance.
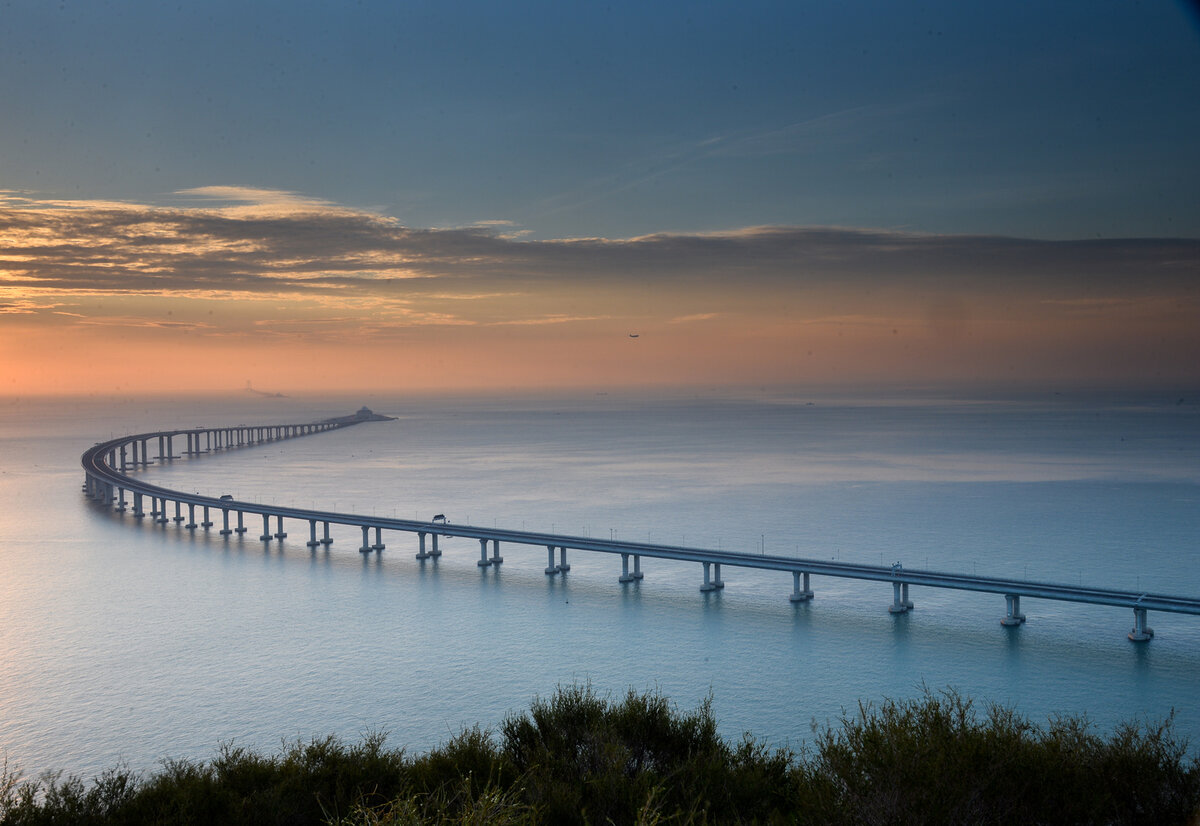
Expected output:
(496, 558)
(266, 534)
(123, 467)
(137, 506)
(225, 522)
(625, 575)
(178, 516)
(366, 546)
(900, 603)
(637, 567)
(717, 581)
(280, 533)
(207, 523)
(708, 585)
(562, 559)
(421, 546)
(435, 552)
(378, 546)
(240, 529)
(551, 568)
(191, 523)
(800, 593)
(145, 453)
(327, 540)
(483, 559)
(162, 512)
(1139, 632)
(1013, 616)
(154, 508)
(312, 534)
(120, 500)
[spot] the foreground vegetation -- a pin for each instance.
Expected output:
(580, 758)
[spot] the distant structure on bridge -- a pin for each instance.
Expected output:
(363, 414)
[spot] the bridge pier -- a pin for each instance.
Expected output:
(137, 505)
(900, 602)
(266, 534)
(483, 557)
(162, 511)
(120, 500)
(435, 553)
(191, 525)
(1013, 615)
(563, 567)
(225, 522)
(551, 568)
(206, 523)
(178, 517)
(280, 533)
(312, 534)
(800, 594)
(713, 582)
(625, 575)
(421, 546)
(1139, 632)
(496, 558)
(378, 546)
(366, 546)
(327, 539)
(240, 529)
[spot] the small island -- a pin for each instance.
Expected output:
(363, 414)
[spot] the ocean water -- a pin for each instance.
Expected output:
(126, 642)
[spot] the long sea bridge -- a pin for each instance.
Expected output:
(107, 467)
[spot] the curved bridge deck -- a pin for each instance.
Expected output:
(107, 466)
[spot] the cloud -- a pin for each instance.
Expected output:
(688, 319)
(553, 319)
(238, 244)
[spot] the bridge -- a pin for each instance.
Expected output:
(108, 467)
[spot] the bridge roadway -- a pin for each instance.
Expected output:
(106, 467)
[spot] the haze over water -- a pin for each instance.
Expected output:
(122, 640)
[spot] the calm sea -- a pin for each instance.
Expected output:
(122, 641)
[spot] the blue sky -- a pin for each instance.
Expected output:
(1048, 120)
(461, 194)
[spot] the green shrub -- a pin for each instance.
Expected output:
(577, 757)
(935, 759)
(586, 759)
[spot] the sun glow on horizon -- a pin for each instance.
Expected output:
(96, 297)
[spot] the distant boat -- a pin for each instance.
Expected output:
(633, 335)
(269, 395)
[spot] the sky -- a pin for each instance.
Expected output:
(319, 196)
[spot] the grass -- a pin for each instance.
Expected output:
(580, 758)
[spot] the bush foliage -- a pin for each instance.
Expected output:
(580, 758)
